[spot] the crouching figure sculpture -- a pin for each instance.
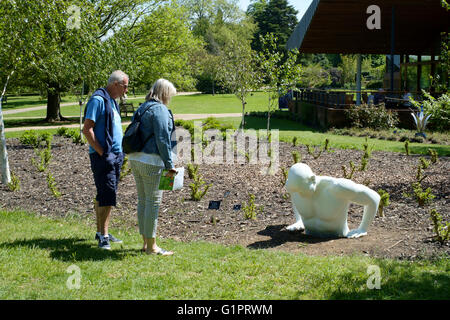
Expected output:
(321, 203)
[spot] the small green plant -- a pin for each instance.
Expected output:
(407, 147)
(423, 164)
(62, 131)
(14, 185)
(250, 210)
(284, 172)
(349, 175)
(77, 138)
(296, 156)
(423, 197)
(52, 185)
(196, 193)
(192, 170)
(441, 230)
(30, 138)
(384, 201)
(294, 141)
(311, 150)
(45, 156)
(125, 169)
(434, 156)
(34, 139)
(366, 156)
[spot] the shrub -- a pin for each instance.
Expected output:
(250, 210)
(311, 150)
(14, 185)
(349, 175)
(384, 201)
(441, 230)
(407, 147)
(423, 197)
(30, 138)
(439, 109)
(52, 185)
(374, 117)
(196, 193)
(62, 131)
(192, 170)
(296, 156)
(125, 169)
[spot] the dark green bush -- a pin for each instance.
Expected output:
(373, 117)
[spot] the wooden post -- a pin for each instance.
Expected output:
(419, 72)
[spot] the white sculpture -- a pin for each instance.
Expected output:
(321, 203)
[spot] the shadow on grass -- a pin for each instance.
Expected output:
(16, 102)
(41, 122)
(74, 249)
(257, 123)
(37, 122)
(279, 235)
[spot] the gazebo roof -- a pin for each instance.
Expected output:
(339, 26)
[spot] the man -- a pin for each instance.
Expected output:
(378, 97)
(321, 203)
(103, 131)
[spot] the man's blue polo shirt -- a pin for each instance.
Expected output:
(95, 111)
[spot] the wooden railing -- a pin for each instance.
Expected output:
(340, 99)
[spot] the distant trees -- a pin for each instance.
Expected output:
(272, 16)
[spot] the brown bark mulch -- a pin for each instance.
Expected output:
(405, 232)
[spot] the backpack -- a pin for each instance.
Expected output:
(132, 140)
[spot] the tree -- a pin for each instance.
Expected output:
(163, 45)
(72, 42)
(314, 76)
(348, 67)
(277, 17)
(238, 71)
(217, 23)
(14, 55)
(280, 71)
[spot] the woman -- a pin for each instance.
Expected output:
(157, 126)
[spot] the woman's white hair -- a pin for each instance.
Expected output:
(118, 76)
(162, 90)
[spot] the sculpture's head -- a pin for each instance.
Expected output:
(301, 179)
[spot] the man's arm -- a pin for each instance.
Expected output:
(88, 131)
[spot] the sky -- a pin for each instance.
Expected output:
(299, 5)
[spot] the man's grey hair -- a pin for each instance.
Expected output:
(118, 76)
(162, 90)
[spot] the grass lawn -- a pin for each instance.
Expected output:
(20, 102)
(198, 103)
(36, 252)
(305, 135)
(289, 129)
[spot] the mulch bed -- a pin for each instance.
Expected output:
(405, 232)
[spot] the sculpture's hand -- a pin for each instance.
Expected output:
(356, 233)
(298, 226)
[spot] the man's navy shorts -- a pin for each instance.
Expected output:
(106, 169)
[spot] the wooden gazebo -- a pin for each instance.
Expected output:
(403, 28)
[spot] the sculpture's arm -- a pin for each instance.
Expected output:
(298, 225)
(360, 194)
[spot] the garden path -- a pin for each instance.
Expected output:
(189, 116)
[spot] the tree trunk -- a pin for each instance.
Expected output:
(268, 115)
(6, 176)
(53, 105)
(243, 115)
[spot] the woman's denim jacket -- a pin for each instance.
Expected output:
(158, 122)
